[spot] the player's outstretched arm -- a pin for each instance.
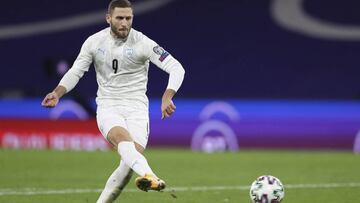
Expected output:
(167, 105)
(52, 99)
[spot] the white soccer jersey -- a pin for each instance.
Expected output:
(122, 67)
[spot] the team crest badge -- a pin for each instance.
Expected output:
(129, 52)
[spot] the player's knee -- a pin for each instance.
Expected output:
(117, 135)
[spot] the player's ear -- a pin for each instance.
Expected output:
(108, 18)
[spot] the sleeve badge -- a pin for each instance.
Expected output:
(161, 52)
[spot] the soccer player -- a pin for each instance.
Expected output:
(121, 58)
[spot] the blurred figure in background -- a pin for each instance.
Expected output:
(121, 58)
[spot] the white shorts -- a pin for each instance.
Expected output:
(135, 121)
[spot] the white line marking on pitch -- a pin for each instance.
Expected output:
(38, 191)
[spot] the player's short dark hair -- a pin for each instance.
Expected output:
(118, 3)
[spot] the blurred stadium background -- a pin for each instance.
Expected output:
(275, 74)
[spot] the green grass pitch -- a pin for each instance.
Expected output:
(54, 176)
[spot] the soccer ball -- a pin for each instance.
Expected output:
(267, 189)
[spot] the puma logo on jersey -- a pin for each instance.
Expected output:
(101, 50)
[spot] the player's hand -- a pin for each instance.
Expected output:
(51, 100)
(167, 108)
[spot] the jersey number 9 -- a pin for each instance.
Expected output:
(115, 65)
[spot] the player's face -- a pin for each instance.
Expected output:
(120, 21)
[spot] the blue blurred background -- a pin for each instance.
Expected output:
(287, 67)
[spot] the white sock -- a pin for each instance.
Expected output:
(116, 183)
(133, 158)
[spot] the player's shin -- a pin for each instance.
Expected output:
(116, 183)
(133, 158)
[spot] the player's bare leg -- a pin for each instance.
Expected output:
(130, 153)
